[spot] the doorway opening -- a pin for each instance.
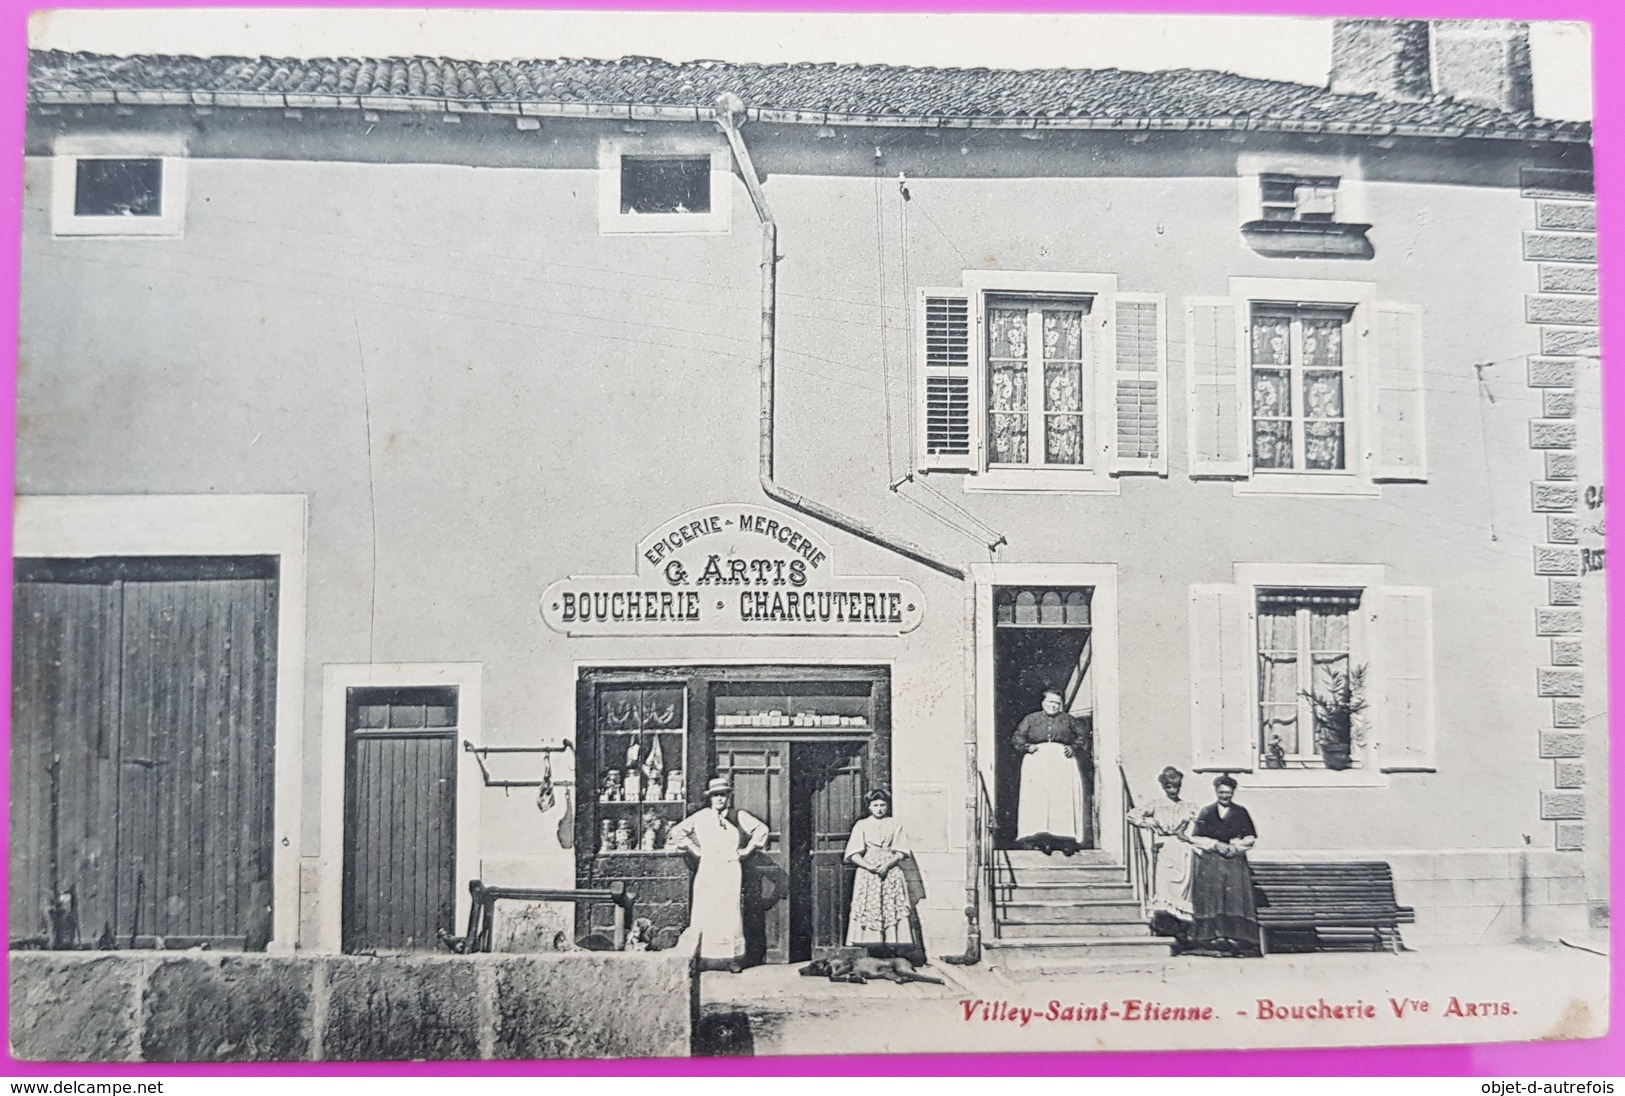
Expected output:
(810, 793)
(801, 745)
(1042, 640)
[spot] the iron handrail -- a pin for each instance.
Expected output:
(986, 852)
(1135, 853)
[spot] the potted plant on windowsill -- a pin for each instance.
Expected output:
(1340, 717)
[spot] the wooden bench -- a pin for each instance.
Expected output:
(1315, 895)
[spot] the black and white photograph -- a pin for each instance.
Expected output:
(547, 535)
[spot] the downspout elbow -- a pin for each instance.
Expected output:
(729, 113)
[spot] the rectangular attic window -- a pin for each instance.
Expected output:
(1310, 199)
(118, 187)
(665, 184)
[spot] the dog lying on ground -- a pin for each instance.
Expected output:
(866, 969)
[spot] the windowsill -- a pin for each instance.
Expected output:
(1307, 484)
(105, 227)
(1366, 777)
(1082, 481)
(715, 223)
(1308, 239)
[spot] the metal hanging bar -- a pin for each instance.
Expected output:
(481, 752)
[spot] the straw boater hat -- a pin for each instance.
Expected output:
(718, 785)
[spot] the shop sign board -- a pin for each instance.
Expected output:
(733, 570)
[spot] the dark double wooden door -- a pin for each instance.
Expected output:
(809, 793)
(142, 749)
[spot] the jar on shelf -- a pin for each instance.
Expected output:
(612, 786)
(653, 834)
(632, 786)
(623, 835)
(674, 785)
(606, 835)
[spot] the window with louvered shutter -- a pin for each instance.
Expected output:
(947, 431)
(1140, 385)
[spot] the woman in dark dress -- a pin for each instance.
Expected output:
(1224, 918)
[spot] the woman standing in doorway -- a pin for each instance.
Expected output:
(879, 919)
(1050, 813)
(720, 837)
(1224, 916)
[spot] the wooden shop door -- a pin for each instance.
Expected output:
(827, 786)
(759, 770)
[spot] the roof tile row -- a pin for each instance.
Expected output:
(839, 89)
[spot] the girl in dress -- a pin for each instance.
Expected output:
(721, 838)
(881, 914)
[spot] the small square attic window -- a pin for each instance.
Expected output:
(654, 183)
(118, 185)
(1287, 215)
(118, 188)
(1309, 199)
(665, 184)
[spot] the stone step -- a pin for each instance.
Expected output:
(1075, 955)
(1075, 876)
(1030, 928)
(1060, 875)
(1064, 892)
(1085, 912)
(1084, 858)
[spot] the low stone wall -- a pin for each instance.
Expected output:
(215, 1007)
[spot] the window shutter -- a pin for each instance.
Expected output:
(1218, 409)
(1403, 669)
(1398, 450)
(1140, 385)
(948, 434)
(1221, 656)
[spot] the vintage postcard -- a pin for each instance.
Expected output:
(548, 535)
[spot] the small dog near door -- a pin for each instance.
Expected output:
(865, 969)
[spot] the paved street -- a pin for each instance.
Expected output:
(1483, 994)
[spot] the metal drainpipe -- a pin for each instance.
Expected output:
(975, 870)
(730, 111)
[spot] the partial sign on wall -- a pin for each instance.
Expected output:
(733, 570)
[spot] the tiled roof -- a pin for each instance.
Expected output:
(817, 93)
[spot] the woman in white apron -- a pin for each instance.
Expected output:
(1169, 821)
(1050, 813)
(720, 838)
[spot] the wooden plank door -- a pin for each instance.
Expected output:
(837, 772)
(759, 770)
(64, 743)
(196, 756)
(400, 809)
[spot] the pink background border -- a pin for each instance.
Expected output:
(1597, 1057)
